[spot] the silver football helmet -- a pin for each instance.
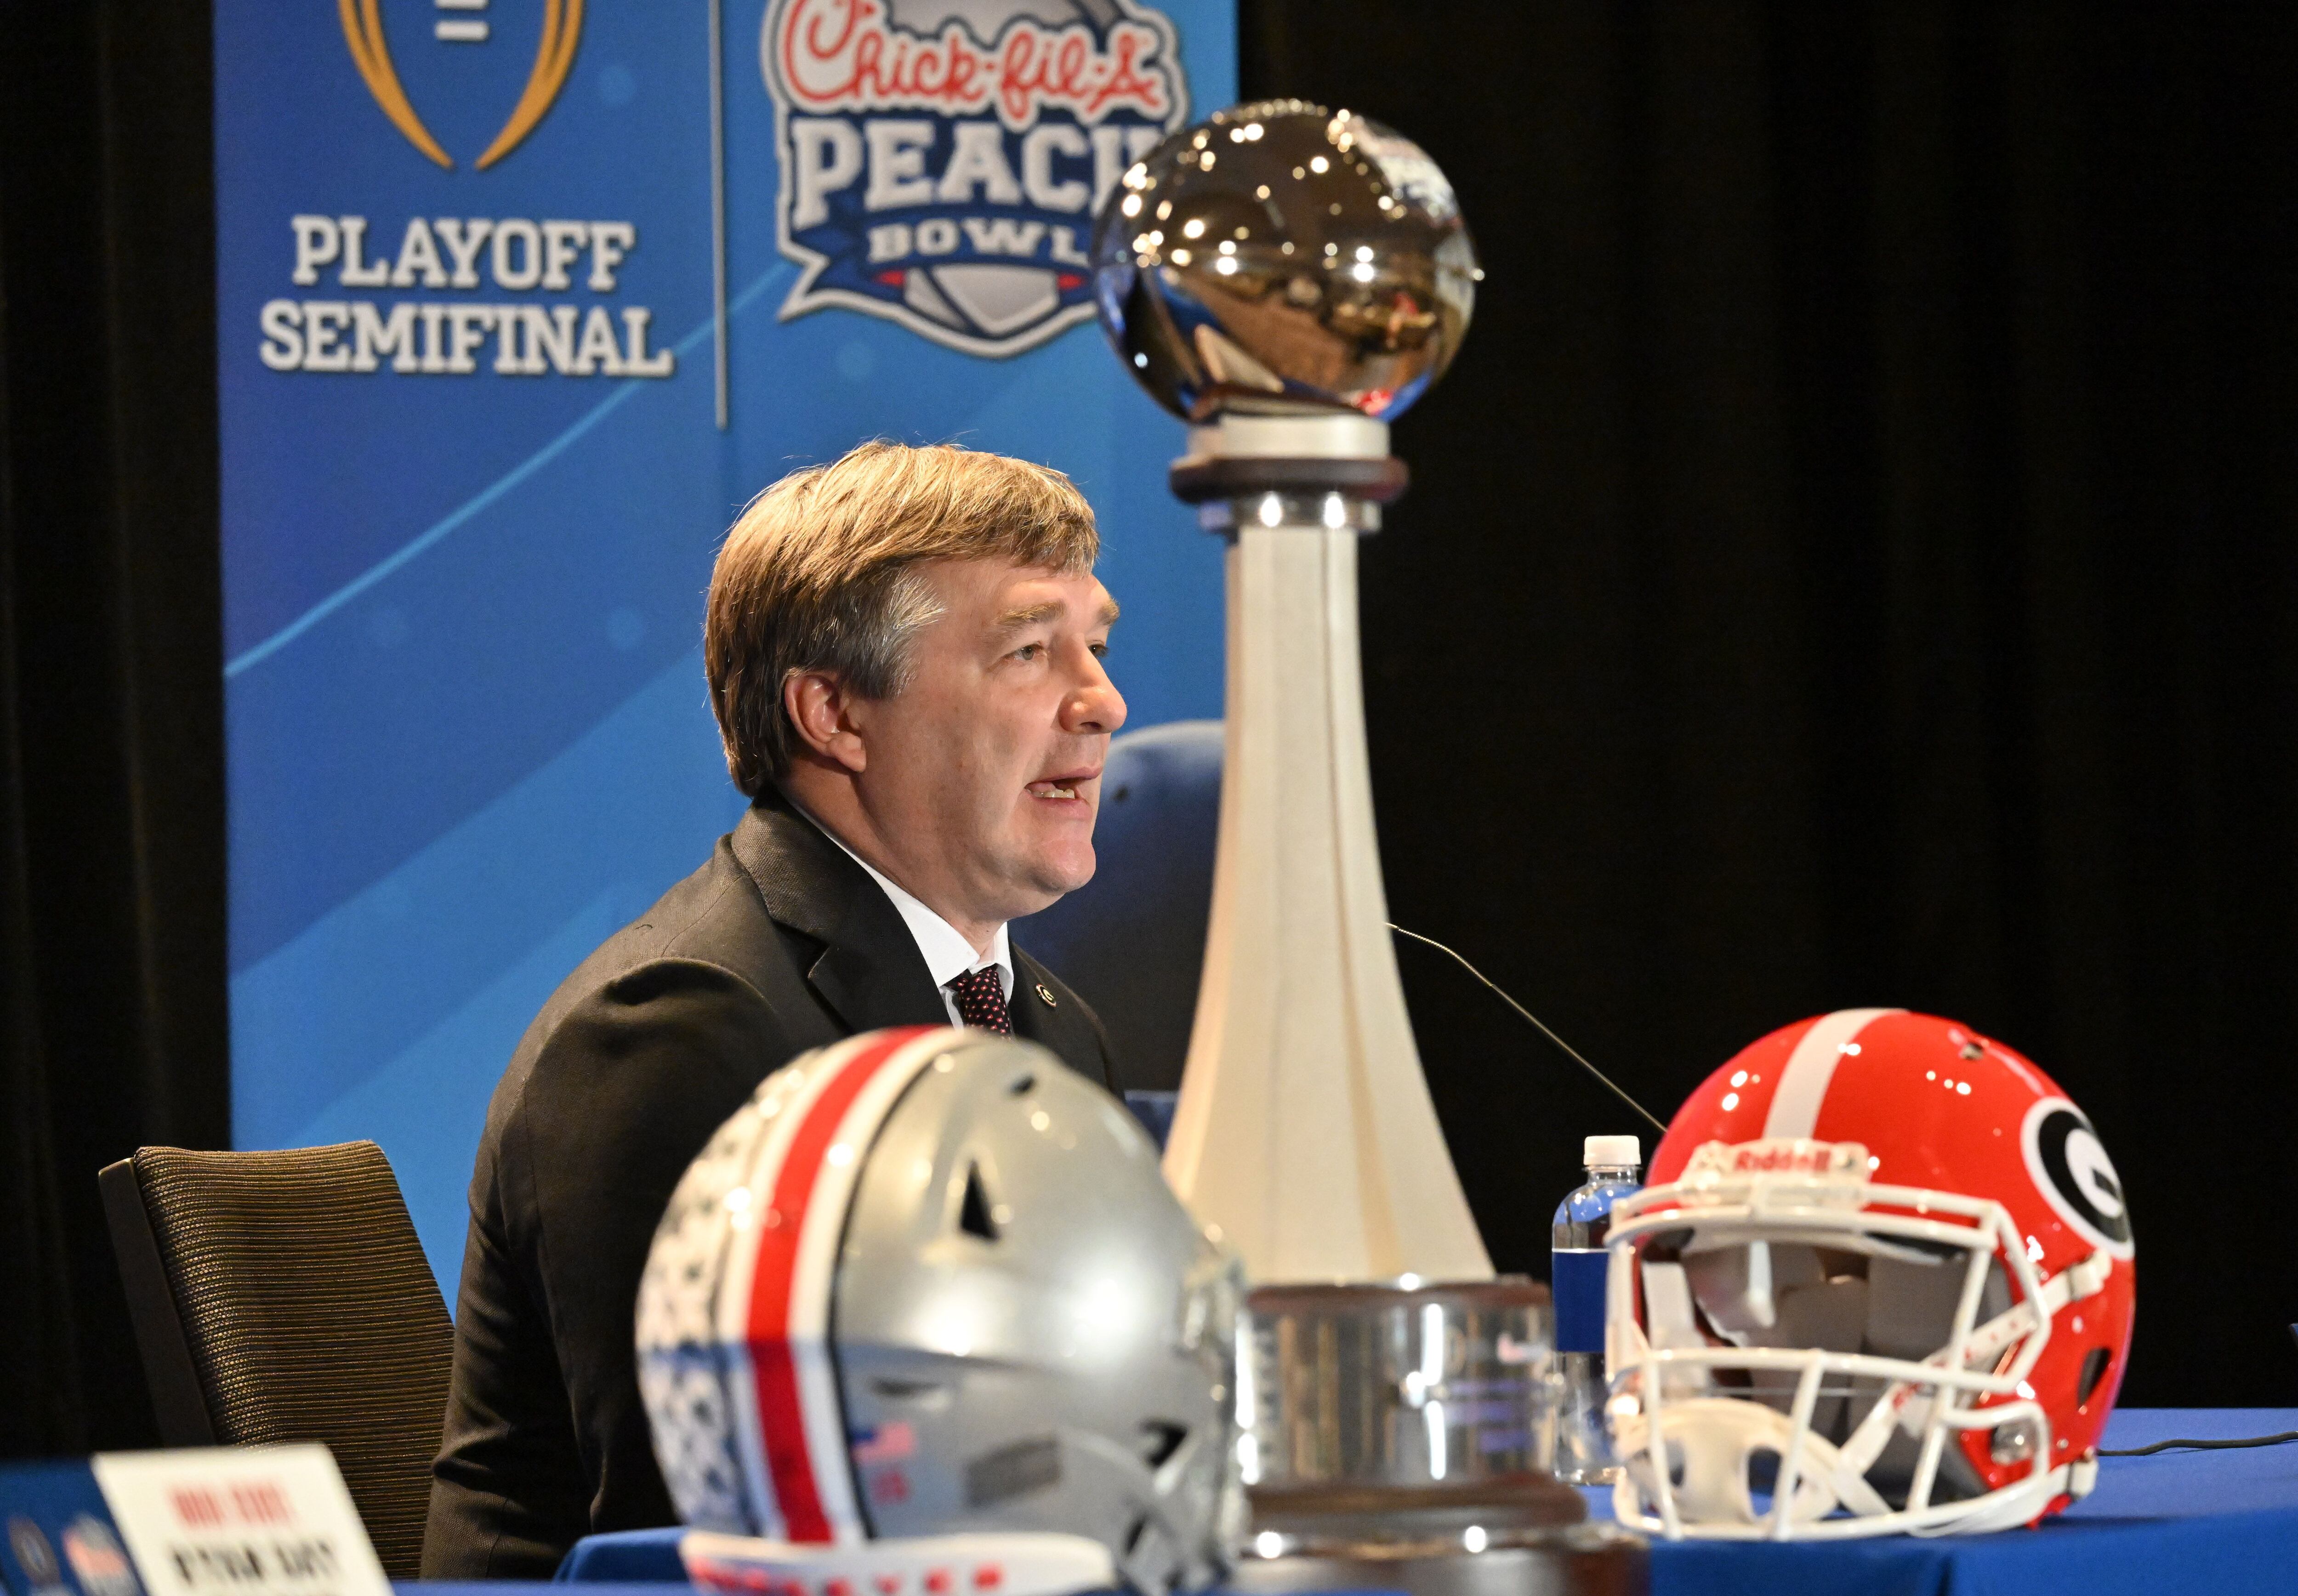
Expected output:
(928, 1281)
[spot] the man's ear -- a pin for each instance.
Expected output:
(818, 708)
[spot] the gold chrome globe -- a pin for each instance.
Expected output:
(1280, 257)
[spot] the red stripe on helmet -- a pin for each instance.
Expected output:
(781, 1416)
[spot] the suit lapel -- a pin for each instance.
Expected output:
(1047, 1013)
(869, 971)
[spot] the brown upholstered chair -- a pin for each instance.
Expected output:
(282, 1296)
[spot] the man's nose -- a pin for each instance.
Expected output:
(1094, 705)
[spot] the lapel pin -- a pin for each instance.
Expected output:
(1046, 993)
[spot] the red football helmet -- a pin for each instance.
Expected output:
(1883, 1274)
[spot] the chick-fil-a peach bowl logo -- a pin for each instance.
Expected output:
(942, 159)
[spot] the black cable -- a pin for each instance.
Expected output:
(1536, 1025)
(2198, 1445)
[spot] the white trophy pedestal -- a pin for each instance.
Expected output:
(1305, 1134)
(1304, 1130)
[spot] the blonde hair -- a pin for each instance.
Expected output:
(820, 573)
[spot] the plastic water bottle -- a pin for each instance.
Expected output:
(1583, 1450)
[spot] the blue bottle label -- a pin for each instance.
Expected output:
(1577, 1281)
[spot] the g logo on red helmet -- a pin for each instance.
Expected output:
(2072, 1170)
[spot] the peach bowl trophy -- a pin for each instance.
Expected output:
(1288, 280)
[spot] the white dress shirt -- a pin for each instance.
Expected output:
(947, 952)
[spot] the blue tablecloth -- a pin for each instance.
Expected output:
(2220, 1522)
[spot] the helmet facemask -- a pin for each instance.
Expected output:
(1796, 1354)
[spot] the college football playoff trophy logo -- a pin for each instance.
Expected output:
(942, 159)
(562, 30)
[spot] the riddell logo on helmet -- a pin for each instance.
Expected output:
(1778, 1155)
(942, 159)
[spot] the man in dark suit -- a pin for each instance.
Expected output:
(904, 651)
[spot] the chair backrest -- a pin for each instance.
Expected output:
(283, 1296)
(1132, 940)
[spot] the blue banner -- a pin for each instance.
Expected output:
(519, 301)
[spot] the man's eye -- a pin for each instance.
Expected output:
(1100, 650)
(1029, 651)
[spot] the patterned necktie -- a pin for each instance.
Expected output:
(981, 1001)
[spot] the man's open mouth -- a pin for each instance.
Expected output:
(1058, 787)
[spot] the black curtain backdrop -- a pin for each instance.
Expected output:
(1853, 561)
(112, 951)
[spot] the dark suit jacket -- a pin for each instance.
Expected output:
(779, 944)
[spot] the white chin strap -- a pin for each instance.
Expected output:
(1716, 1438)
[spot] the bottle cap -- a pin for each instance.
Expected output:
(1612, 1152)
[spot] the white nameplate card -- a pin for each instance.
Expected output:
(254, 1521)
